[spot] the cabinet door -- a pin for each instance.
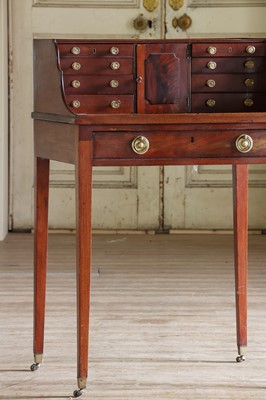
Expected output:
(162, 78)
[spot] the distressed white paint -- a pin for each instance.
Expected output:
(124, 198)
(3, 121)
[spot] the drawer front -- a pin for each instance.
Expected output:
(218, 65)
(172, 145)
(229, 102)
(94, 50)
(93, 104)
(216, 49)
(104, 84)
(99, 66)
(228, 83)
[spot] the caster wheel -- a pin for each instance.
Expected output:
(78, 392)
(240, 358)
(34, 367)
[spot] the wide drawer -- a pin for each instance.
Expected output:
(228, 83)
(172, 145)
(223, 65)
(94, 49)
(217, 49)
(97, 66)
(104, 84)
(228, 102)
(101, 104)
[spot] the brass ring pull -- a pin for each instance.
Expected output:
(140, 145)
(244, 143)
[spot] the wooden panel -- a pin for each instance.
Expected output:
(97, 66)
(228, 83)
(99, 84)
(91, 104)
(155, 93)
(93, 49)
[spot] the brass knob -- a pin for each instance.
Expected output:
(140, 23)
(75, 84)
(114, 83)
(210, 83)
(211, 103)
(75, 103)
(140, 145)
(114, 51)
(248, 102)
(76, 66)
(250, 49)
(139, 79)
(184, 22)
(75, 50)
(211, 65)
(249, 82)
(115, 104)
(115, 65)
(212, 50)
(244, 143)
(249, 64)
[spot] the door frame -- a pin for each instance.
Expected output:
(3, 119)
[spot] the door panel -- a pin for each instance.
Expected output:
(201, 197)
(127, 198)
(124, 198)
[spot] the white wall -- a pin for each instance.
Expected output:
(3, 121)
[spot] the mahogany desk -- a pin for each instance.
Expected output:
(130, 103)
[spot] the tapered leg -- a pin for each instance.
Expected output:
(83, 209)
(240, 196)
(40, 255)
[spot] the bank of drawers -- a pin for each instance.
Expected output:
(228, 77)
(97, 78)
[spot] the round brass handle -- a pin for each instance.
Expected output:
(75, 50)
(248, 102)
(211, 103)
(75, 103)
(140, 145)
(250, 49)
(114, 83)
(212, 65)
(115, 104)
(210, 83)
(211, 50)
(249, 82)
(115, 65)
(76, 66)
(244, 143)
(114, 51)
(75, 84)
(249, 64)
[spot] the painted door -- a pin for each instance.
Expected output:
(124, 198)
(200, 197)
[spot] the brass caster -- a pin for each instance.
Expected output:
(78, 392)
(240, 358)
(34, 367)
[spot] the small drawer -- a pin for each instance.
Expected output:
(223, 65)
(228, 102)
(173, 145)
(81, 49)
(104, 84)
(217, 49)
(228, 83)
(99, 66)
(105, 104)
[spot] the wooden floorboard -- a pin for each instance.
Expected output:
(162, 319)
